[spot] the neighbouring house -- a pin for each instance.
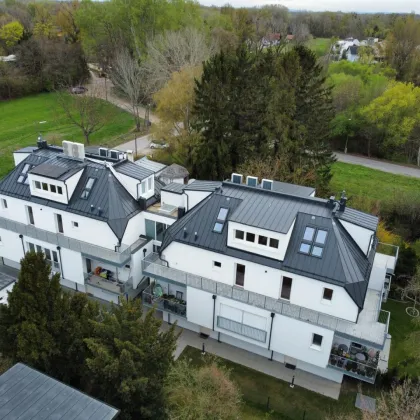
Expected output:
(352, 53)
(244, 263)
(26, 393)
(174, 173)
(8, 58)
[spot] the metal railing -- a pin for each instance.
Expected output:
(117, 287)
(58, 239)
(388, 249)
(242, 329)
(384, 318)
(152, 266)
(357, 369)
(162, 304)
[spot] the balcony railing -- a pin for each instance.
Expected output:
(173, 306)
(373, 335)
(359, 370)
(117, 257)
(242, 329)
(113, 286)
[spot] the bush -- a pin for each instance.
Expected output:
(407, 263)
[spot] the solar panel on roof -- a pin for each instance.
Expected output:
(51, 171)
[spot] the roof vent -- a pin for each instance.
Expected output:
(99, 210)
(195, 235)
(343, 201)
(67, 148)
(251, 181)
(267, 184)
(92, 207)
(185, 232)
(78, 150)
(236, 178)
(41, 143)
(114, 154)
(103, 152)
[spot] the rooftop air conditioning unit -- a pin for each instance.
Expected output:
(103, 152)
(252, 181)
(114, 154)
(267, 184)
(236, 178)
(68, 148)
(79, 150)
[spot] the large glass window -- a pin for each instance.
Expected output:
(150, 228)
(160, 230)
(88, 187)
(313, 241)
(286, 288)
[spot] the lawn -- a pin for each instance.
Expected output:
(400, 327)
(20, 124)
(286, 403)
(319, 45)
(372, 184)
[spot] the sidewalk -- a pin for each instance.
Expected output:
(256, 362)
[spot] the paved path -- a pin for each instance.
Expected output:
(254, 361)
(140, 145)
(378, 164)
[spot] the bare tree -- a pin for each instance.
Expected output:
(129, 77)
(85, 111)
(173, 51)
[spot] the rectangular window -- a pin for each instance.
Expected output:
(37, 185)
(313, 242)
(316, 340)
(53, 188)
(38, 248)
(286, 288)
(160, 229)
(75, 224)
(240, 275)
(218, 227)
(262, 240)
(45, 186)
(222, 214)
(274, 243)
(59, 190)
(217, 264)
(143, 187)
(59, 221)
(328, 294)
(47, 254)
(150, 228)
(309, 234)
(31, 247)
(30, 215)
(88, 188)
(239, 234)
(4, 203)
(250, 237)
(149, 184)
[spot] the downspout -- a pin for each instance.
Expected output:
(137, 190)
(23, 246)
(271, 330)
(61, 262)
(188, 200)
(214, 308)
(67, 191)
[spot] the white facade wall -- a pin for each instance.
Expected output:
(72, 182)
(19, 157)
(157, 217)
(261, 279)
(194, 197)
(361, 235)
(135, 264)
(89, 230)
(173, 199)
(135, 228)
(48, 195)
(255, 248)
(10, 245)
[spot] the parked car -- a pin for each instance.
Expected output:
(154, 145)
(77, 90)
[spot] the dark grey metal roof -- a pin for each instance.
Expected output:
(174, 171)
(132, 170)
(294, 189)
(359, 218)
(27, 394)
(28, 149)
(150, 164)
(174, 187)
(198, 185)
(108, 200)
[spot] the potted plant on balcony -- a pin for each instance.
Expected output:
(340, 363)
(370, 372)
(348, 366)
(354, 367)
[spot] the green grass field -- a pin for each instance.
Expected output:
(20, 124)
(319, 45)
(285, 402)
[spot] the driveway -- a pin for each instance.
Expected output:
(380, 165)
(140, 145)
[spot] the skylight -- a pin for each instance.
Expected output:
(88, 188)
(313, 241)
(222, 214)
(221, 218)
(23, 177)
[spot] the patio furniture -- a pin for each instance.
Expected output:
(343, 348)
(361, 357)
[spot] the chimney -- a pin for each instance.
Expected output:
(331, 202)
(185, 232)
(181, 212)
(195, 235)
(41, 143)
(130, 155)
(343, 201)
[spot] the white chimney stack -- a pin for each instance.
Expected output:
(130, 155)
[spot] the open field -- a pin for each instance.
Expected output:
(319, 45)
(286, 403)
(369, 183)
(20, 125)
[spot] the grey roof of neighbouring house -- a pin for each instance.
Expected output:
(342, 263)
(174, 187)
(27, 394)
(207, 186)
(354, 49)
(108, 200)
(146, 163)
(132, 170)
(287, 188)
(174, 171)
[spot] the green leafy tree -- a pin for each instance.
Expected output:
(202, 393)
(129, 359)
(11, 33)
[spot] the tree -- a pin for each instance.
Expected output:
(202, 393)
(11, 33)
(130, 78)
(85, 111)
(129, 359)
(66, 20)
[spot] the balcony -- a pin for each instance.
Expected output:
(119, 257)
(117, 287)
(242, 329)
(164, 302)
(367, 330)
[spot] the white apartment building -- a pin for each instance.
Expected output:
(265, 266)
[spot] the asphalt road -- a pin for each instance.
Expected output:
(139, 146)
(378, 164)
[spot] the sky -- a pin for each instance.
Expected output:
(369, 6)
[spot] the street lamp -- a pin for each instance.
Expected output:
(347, 140)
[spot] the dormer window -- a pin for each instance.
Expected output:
(88, 188)
(313, 241)
(23, 177)
(221, 218)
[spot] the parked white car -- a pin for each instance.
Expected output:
(154, 145)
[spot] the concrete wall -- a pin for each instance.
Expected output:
(361, 235)
(172, 199)
(194, 197)
(19, 157)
